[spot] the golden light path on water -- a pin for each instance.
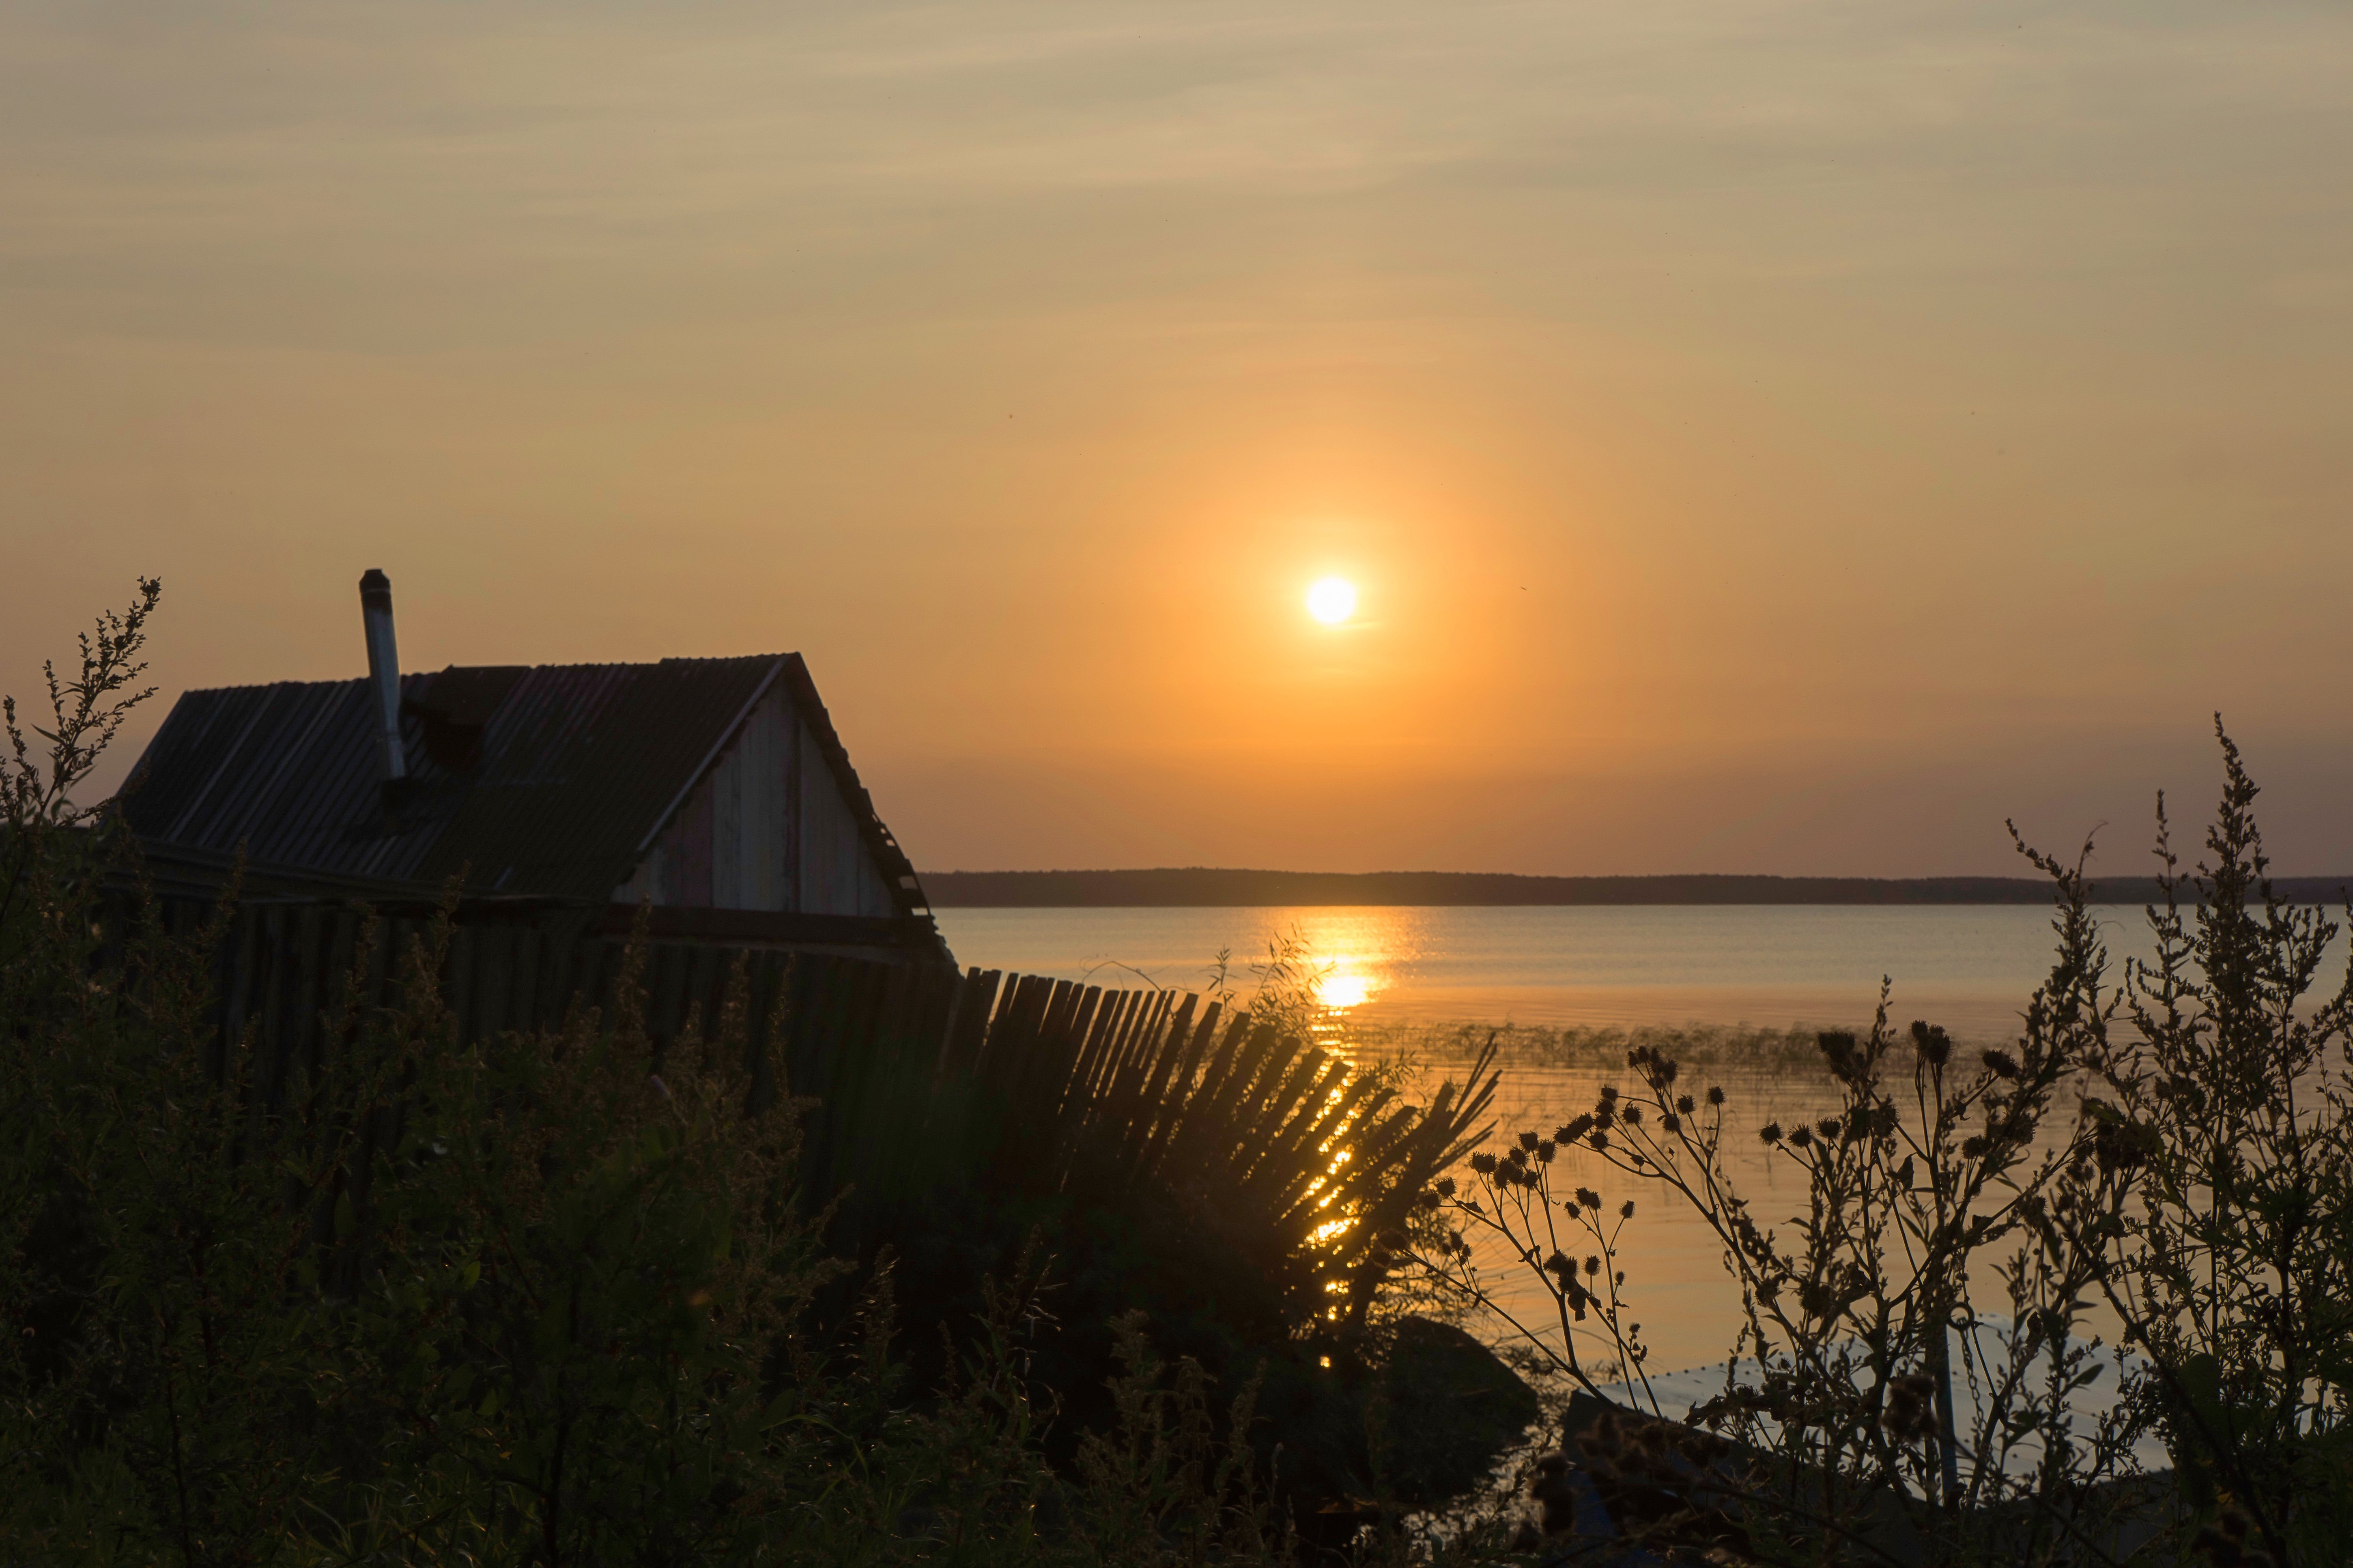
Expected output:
(1970, 968)
(1431, 981)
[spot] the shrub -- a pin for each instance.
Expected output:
(2175, 1151)
(541, 1299)
(2234, 1272)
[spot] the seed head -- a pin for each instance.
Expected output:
(1909, 1416)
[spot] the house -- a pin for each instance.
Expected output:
(715, 790)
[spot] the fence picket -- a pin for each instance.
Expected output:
(921, 1075)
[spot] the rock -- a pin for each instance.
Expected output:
(1451, 1410)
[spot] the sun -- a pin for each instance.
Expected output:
(1332, 600)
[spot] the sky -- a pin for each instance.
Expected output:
(1774, 438)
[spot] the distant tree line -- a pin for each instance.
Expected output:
(1211, 888)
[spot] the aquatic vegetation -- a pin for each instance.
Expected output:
(1729, 1049)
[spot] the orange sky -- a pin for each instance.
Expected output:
(1786, 437)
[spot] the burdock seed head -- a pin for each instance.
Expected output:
(1909, 1416)
(1837, 1046)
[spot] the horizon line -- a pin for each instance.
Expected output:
(1212, 886)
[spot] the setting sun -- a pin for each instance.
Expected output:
(1332, 600)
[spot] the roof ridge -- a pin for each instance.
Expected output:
(575, 664)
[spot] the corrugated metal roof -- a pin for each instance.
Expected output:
(546, 780)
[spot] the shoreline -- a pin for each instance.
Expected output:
(1197, 887)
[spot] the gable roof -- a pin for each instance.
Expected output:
(551, 780)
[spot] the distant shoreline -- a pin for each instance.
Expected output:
(1210, 887)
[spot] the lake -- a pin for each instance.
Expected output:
(1969, 967)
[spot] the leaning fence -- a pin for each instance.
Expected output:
(915, 1075)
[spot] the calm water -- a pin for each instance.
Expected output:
(1968, 967)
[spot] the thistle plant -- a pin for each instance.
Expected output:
(1957, 1210)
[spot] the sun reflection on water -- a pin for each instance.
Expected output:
(1341, 987)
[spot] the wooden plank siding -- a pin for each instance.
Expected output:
(838, 875)
(766, 828)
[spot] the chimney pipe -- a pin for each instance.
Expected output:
(384, 666)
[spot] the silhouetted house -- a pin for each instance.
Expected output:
(715, 788)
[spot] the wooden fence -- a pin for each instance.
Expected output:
(921, 1076)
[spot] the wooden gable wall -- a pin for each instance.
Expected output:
(766, 828)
